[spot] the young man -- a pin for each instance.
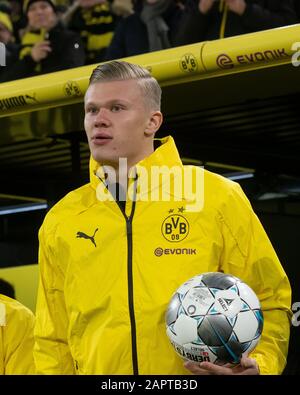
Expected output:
(16, 338)
(106, 275)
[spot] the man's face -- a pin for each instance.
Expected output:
(117, 122)
(5, 35)
(41, 15)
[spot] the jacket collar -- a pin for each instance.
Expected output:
(165, 155)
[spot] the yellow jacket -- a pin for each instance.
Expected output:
(107, 278)
(16, 337)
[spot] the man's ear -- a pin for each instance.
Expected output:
(154, 123)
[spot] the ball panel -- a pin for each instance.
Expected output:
(214, 330)
(228, 303)
(192, 282)
(226, 354)
(260, 319)
(194, 352)
(218, 280)
(172, 311)
(246, 326)
(249, 296)
(186, 329)
(197, 301)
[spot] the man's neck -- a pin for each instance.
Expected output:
(117, 172)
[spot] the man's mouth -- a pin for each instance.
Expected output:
(101, 138)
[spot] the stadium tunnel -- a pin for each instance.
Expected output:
(232, 106)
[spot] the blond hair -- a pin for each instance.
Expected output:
(121, 71)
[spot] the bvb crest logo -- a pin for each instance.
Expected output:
(175, 228)
(188, 63)
(71, 88)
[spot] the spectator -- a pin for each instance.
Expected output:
(16, 338)
(210, 19)
(7, 38)
(46, 46)
(151, 28)
(6, 29)
(17, 17)
(95, 22)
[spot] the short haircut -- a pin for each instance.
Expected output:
(121, 71)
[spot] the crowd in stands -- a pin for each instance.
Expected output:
(42, 36)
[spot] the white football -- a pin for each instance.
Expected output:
(214, 317)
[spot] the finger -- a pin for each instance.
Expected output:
(196, 369)
(216, 369)
(249, 366)
(43, 54)
(208, 367)
(45, 50)
(43, 45)
(248, 362)
(230, 365)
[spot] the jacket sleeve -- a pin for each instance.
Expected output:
(18, 341)
(275, 14)
(249, 255)
(51, 351)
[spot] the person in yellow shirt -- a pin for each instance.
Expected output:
(95, 22)
(114, 251)
(16, 338)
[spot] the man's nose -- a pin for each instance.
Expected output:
(39, 11)
(102, 118)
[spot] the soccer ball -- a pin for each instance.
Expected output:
(214, 317)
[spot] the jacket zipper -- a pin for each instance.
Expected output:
(130, 294)
(130, 283)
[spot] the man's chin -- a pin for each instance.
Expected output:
(44, 26)
(106, 161)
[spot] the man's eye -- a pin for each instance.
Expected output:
(116, 108)
(91, 110)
